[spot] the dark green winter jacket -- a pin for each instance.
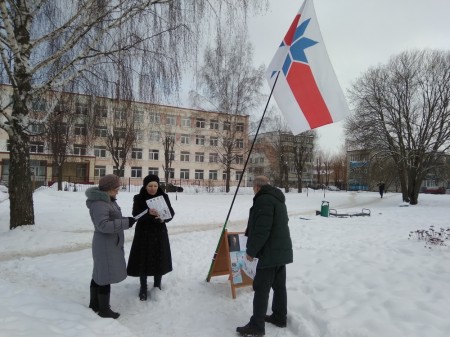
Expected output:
(268, 233)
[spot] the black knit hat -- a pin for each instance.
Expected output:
(108, 182)
(149, 178)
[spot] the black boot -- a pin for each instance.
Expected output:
(93, 302)
(157, 281)
(143, 293)
(104, 308)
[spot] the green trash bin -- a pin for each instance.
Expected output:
(325, 209)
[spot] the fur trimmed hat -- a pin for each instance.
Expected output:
(108, 182)
(149, 178)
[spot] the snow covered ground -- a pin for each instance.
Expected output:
(351, 277)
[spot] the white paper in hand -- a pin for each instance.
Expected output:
(161, 207)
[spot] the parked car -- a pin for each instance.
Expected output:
(433, 190)
(332, 188)
(170, 187)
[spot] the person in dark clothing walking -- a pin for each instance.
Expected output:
(107, 243)
(269, 240)
(150, 253)
(381, 188)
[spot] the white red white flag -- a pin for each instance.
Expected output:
(307, 90)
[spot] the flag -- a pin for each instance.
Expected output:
(307, 90)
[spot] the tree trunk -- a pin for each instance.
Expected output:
(20, 184)
(60, 178)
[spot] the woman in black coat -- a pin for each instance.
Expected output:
(150, 251)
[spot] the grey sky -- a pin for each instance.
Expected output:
(358, 34)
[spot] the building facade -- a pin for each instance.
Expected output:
(191, 145)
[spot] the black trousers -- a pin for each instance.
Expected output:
(266, 279)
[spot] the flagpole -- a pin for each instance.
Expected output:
(240, 179)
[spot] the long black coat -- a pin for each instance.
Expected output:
(150, 251)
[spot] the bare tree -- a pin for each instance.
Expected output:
(302, 151)
(402, 110)
(230, 84)
(155, 32)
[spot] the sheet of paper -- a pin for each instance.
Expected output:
(249, 267)
(140, 215)
(160, 205)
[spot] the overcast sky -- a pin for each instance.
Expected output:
(358, 34)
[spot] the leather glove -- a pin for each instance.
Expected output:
(131, 221)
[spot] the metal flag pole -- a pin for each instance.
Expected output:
(239, 183)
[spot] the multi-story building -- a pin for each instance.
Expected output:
(274, 152)
(98, 129)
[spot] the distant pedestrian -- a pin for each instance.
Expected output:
(108, 242)
(381, 188)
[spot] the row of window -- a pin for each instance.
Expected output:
(123, 113)
(137, 172)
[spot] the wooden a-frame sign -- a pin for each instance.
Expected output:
(222, 264)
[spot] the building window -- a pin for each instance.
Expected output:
(224, 176)
(239, 159)
(240, 143)
(120, 114)
(240, 127)
(200, 140)
(226, 126)
(118, 152)
(199, 174)
(138, 116)
(184, 139)
(186, 122)
(154, 117)
(79, 150)
(171, 120)
(80, 130)
(153, 154)
(214, 141)
(238, 175)
(184, 156)
(101, 131)
(153, 170)
(213, 175)
(199, 157)
(37, 128)
(39, 105)
(213, 157)
(172, 155)
(154, 136)
(120, 133)
(36, 147)
(101, 111)
(200, 123)
(81, 109)
(184, 174)
(99, 171)
(136, 153)
(136, 172)
(100, 151)
(171, 172)
(214, 125)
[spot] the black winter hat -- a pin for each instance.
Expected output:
(149, 178)
(108, 182)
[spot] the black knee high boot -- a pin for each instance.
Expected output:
(93, 302)
(105, 311)
(157, 281)
(143, 290)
